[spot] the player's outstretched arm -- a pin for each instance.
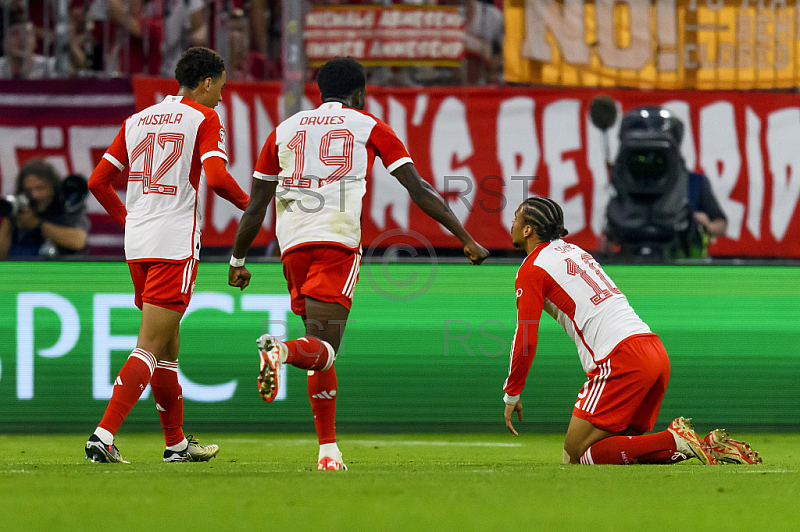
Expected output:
(223, 184)
(249, 226)
(432, 204)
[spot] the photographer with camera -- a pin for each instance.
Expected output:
(46, 217)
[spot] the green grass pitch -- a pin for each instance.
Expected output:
(395, 482)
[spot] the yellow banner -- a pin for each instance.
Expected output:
(664, 44)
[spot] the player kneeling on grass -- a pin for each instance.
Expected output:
(626, 365)
(171, 148)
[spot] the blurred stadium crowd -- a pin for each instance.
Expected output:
(119, 38)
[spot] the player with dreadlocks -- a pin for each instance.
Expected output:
(627, 367)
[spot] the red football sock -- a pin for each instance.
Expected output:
(657, 448)
(662, 457)
(309, 352)
(322, 394)
(169, 400)
(128, 387)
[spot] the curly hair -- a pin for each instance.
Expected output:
(197, 64)
(41, 169)
(340, 77)
(546, 218)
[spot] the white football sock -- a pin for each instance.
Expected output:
(105, 436)
(331, 450)
(178, 447)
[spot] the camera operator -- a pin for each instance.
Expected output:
(659, 210)
(707, 211)
(46, 217)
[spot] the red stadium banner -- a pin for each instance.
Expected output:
(68, 122)
(478, 147)
(375, 35)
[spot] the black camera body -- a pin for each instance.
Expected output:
(74, 189)
(649, 214)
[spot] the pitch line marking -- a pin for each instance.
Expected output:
(766, 471)
(378, 442)
(732, 469)
(433, 443)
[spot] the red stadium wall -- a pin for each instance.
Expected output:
(479, 147)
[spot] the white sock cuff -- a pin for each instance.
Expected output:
(331, 450)
(104, 435)
(146, 357)
(586, 459)
(171, 365)
(331, 355)
(179, 446)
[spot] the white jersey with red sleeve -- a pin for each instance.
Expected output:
(164, 147)
(321, 159)
(570, 285)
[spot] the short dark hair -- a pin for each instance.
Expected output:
(546, 218)
(41, 169)
(340, 77)
(196, 64)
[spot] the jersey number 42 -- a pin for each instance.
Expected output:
(147, 149)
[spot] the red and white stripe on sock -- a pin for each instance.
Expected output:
(146, 357)
(310, 353)
(129, 385)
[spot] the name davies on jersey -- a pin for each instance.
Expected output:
(321, 120)
(157, 120)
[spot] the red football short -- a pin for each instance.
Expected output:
(626, 389)
(164, 284)
(324, 272)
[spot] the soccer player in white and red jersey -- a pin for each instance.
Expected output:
(627, 367)
(172, 150)
(316, 164)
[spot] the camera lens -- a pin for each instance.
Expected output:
(11, 205)
(647, 164)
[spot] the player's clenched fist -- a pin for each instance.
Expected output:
(475, 252)
(239, 277)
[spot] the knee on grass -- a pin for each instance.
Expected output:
(566, 458)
